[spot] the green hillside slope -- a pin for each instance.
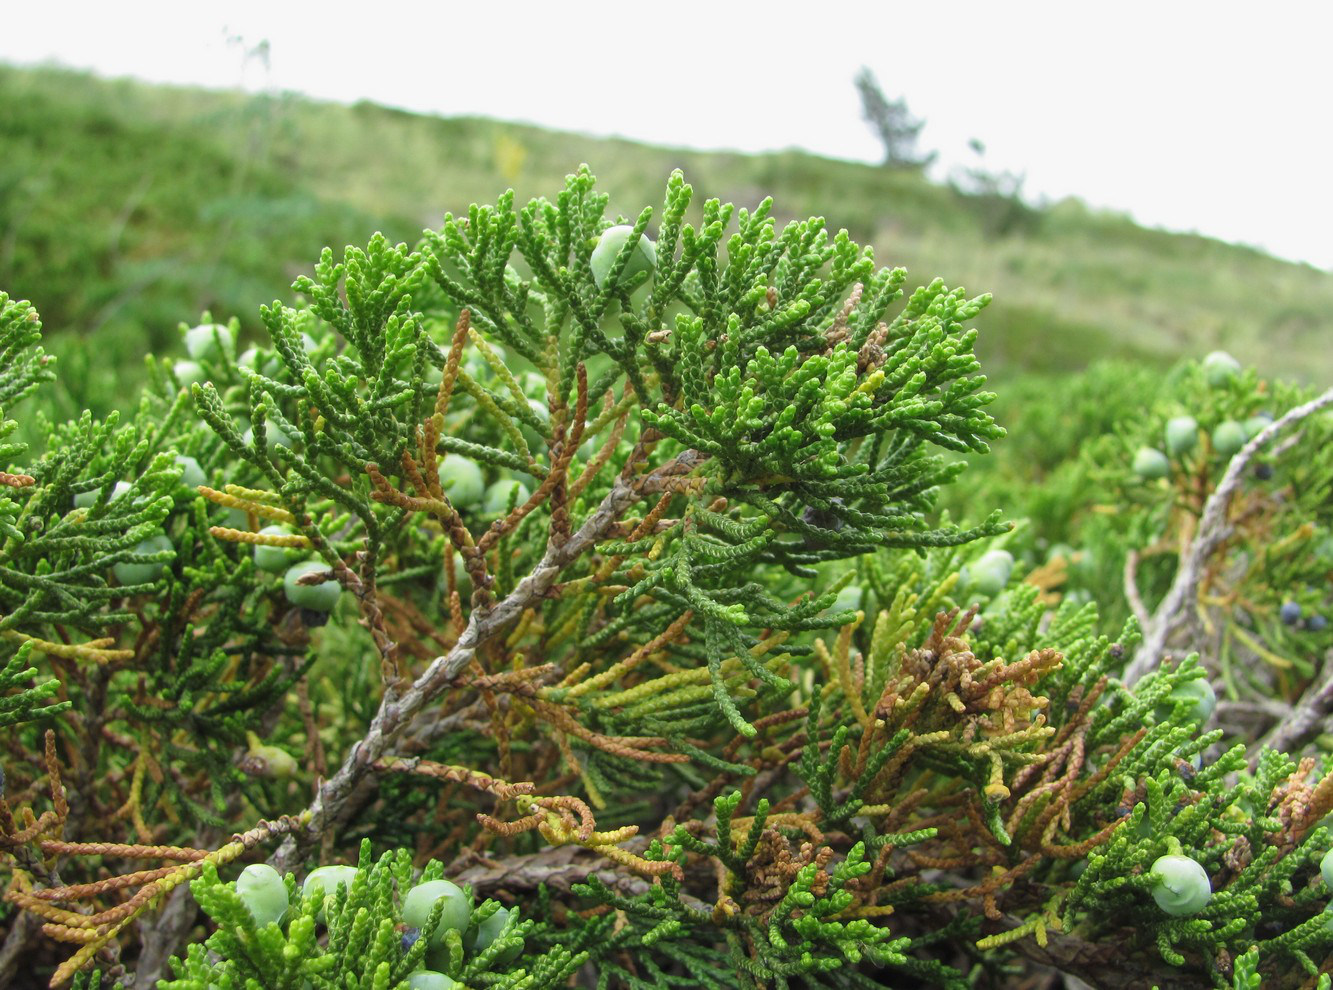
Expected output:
(125, 208)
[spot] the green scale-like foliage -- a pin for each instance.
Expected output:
(182, 660)
(1070, 466)
(765, 716)
(834, 429)
(354, 938)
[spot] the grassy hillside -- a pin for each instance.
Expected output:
(125, 208)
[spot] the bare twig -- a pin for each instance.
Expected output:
(163, 935)
(23, 930)
(558, 867)
(1132, 589)
(1301, 721)
(1265, 708)
(1178, 605)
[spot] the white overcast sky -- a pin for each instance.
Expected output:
(1212, 117)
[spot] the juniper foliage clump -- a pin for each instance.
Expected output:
(353, 936)
(648, 633)
(1259, 588)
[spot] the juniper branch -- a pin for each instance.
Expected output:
(1176, 609)
(1307, 717)
(396, 714)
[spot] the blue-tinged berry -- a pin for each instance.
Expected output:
(1316, 623)
(537, 441)
(1060, 551)
(533, 385)
(192, 475)
(478, 368)
(1290, 613)
(188, 372)
(86, 500)
(274, 437)
(261, 361)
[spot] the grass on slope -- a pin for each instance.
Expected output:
(125, 208)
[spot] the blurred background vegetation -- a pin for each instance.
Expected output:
(126, 208)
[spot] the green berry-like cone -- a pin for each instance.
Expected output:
(1228, 437)
(269, 761)
(327, 878)
(318, 597)
(462, 481)
(1220, 368)
(323, 881)
(1182, 887)
(1199, 693)
(192, 475)
(609, 245)
(989, 573)
(264, 894)
(497, 496)
(273, 559)
(849, 599)
(421, 899)
(1182, 433)
(133, 573)
(491, 929)
(1151, 463)
(1256, 424)
(210, 342)
(1205, 698)
(429, 979)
